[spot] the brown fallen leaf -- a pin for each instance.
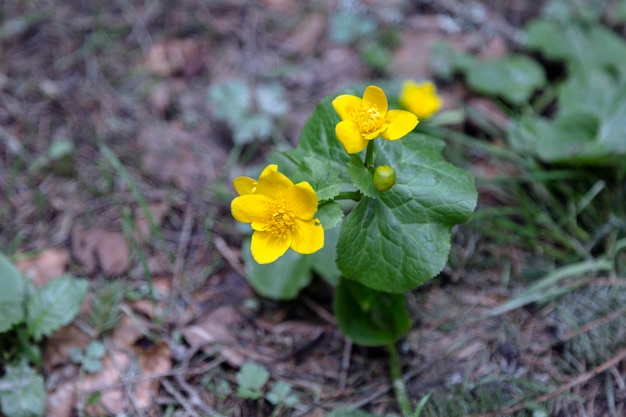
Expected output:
(108, 382)
(44, 266)
(128, 331)
(59, 345)
(307, 36)
(60, 401)
(217, 329)
(97, 247)
(173, 57)
(153, 362)
(142, 223)
(172, 153)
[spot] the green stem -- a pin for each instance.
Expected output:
(369, 155)
(348, 195)
(398, 382)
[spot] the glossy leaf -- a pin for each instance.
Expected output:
(22, 392)
(401, 239)
(370, 317)
(513, 78)
(11, 296)
(54, 305)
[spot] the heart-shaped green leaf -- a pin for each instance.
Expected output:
(370, 317)
(401, 239)
(514, 78)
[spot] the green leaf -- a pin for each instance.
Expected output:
(446, 61)
(323, 261)
(347, 27)
(513, 78)
(54, 305)
(11, 296)
(281, 394)
(589, 127)
(402, 239)
(318, 139)
(282, 279)
(362, 177)
(324, 181)
(330, 214)
(250, 379)
(231, 101)
(270, 100)
(250, 127)
(584, 48)
(22, 392)
(370, 317)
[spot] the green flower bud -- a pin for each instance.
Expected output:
(384, 177)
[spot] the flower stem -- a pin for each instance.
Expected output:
(398, 382)
(369, 155)
(348, 195)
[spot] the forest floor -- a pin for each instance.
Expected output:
(106, 115)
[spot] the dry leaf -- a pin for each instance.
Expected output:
(98, 247)
(218, 328)
(307, 35)
(153, 362)
(61, 400)
(48, 264)
(58, 347)
(108, 382)
(142, 223)
(174, 154)
(177, 57)
(128, 331)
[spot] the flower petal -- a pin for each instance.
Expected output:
(266, 248)
(273, 184)
(401, 122)
(308, 236)
(420, 99)
(302, 200)
(376, 96)
(249, 208)
(244, 185)
(350, 137)
(345, 104)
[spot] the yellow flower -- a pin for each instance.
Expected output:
(421, 99)
(280, 213)
(365, 119)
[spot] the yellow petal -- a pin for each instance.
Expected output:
(376, 96)
(244, 185)
(249, 208)
(308, 237)
(350, 137)
(420, 99)
(401, 122)
(273, 184)
(266, 248)
(302, 200)
(345, 105)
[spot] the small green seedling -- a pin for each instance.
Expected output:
(250, 379)
(90, 359)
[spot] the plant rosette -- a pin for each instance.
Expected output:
(386, 209)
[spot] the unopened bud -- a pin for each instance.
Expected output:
(384, 177)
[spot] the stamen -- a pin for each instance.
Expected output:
(280, 218)
(368, 118)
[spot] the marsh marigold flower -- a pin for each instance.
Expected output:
(365, 119)
(280, 213)
(421, 99)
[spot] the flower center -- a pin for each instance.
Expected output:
(281, 219)
(368, 118)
